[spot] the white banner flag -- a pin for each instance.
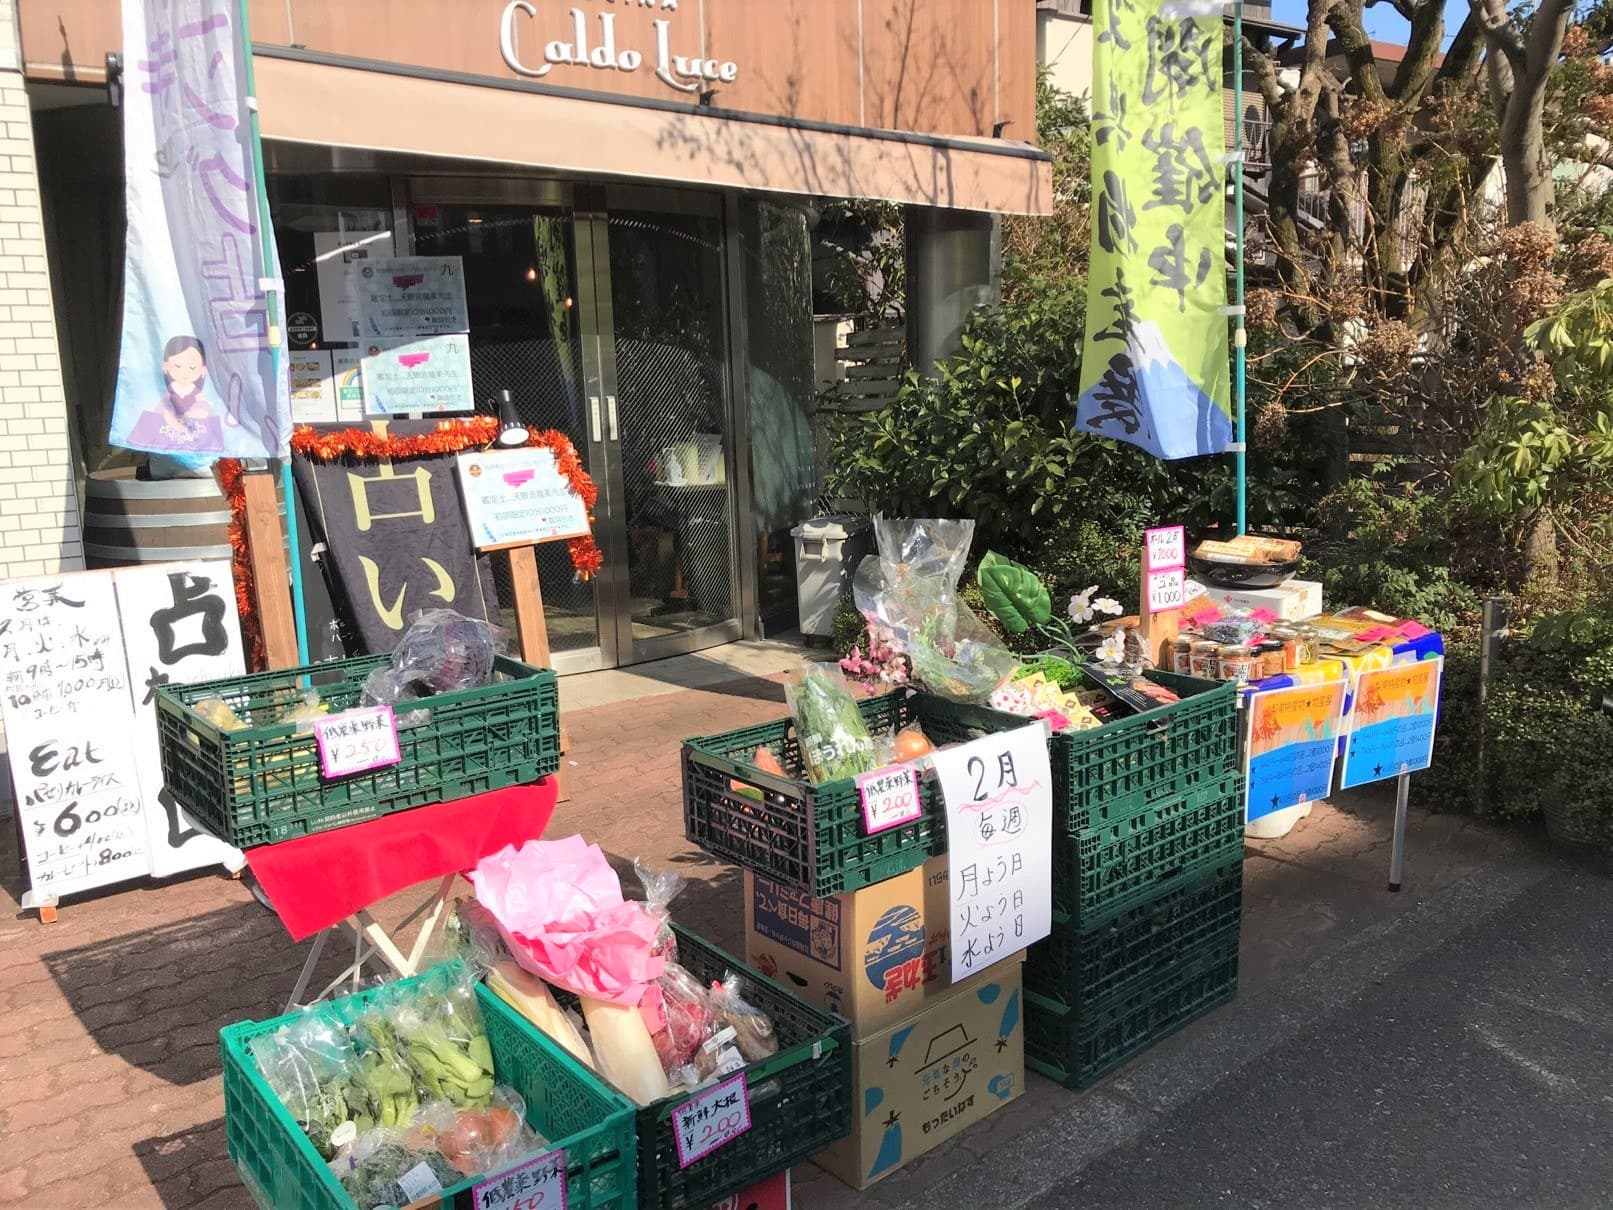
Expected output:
(196, 378)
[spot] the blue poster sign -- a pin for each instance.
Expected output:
(1292, 743)
(1392, 722)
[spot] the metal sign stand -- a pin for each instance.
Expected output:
(1397, 847)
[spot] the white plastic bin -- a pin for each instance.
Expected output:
(827, 551)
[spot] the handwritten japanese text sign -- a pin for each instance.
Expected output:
(356, 741)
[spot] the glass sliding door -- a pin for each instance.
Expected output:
(518, 242)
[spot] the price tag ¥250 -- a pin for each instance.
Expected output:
(890, 797)
(356, 741)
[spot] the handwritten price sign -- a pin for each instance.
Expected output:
(356, 741)
(538, 1184)
(1166, 590)
(890, 797)
(709, 1119)
(1167, 547)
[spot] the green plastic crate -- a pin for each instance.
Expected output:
(565, 1104)
(1140, 947)
(800, 1098)
(1129, 863)
(1109, 774)
(810, 837)
(262, 784)
(1077, 1047)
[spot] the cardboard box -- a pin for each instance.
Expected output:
(874, 956)
(926, 1080)
(1290, 600)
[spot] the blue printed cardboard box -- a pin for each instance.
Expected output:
(874, 956)
(930, 1078)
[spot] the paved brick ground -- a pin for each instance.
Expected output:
(109, 1019)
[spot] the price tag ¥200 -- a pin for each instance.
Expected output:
(890, 797)
(710, 1118)
(356, 741)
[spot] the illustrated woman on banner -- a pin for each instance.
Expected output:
(181, 430)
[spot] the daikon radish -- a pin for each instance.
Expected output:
(530, 996)
(626, 1053)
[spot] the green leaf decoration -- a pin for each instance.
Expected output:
(1013, 594)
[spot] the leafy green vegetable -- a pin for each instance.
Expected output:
(834, 739)
(1013, 594)
(375, 1181)
(1056, 668)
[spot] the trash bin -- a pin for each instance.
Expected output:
(827, 551)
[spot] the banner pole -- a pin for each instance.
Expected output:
(1240, 338)
(272, 297)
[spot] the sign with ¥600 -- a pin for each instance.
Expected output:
(537, 1184)
(356, 741)
(890, 797)
(711, 1118)
(1392, 722)
(518, 497)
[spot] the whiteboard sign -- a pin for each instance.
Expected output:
(356, 741)
(518, 497)
(66, 706)
(999, 799)
(180, 627)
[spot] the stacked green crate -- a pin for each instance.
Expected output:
(1147, 884)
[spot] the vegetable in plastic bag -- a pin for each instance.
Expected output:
(911, 589)
(677, 1010)
(311, 1065)
(661, 887)
(441, 1036)
(753, 1029)
(475, 1141)
(383, 1171)
(445, 652)
(835, 741)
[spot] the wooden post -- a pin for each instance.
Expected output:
(533, 630)
(271, 574)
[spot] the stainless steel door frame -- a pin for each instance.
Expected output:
(652, 199)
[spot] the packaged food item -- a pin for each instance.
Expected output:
(1237, 664)
(219, 713)
(438, 1031)
(307, 710)
(1272, 662)
(475, 1140)
(834, 738)
(312, 1066)
(383, 1171)
(1206, 660)
(678, 1011)
(912, 743)
(661, 887)
(1182, 655)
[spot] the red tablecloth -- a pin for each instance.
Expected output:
(321, 879)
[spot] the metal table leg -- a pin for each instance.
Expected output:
(1397, 850)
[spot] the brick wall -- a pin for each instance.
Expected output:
(39, 517)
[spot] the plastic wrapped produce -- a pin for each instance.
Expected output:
(834, 739)
(753, 1031)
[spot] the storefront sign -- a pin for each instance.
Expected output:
(401, 297)
(428, 376)
(999, 796)
(1291, 746)
(1155, 370)
(313, 393)
(597, 48)
(518, 498)
(396, 539)
(81, 656)
(180, 626)
(197, 376)
(1392, 722)
(347, 384)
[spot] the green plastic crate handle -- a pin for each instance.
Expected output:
(748, 774)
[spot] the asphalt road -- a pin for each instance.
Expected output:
(1460, 1055)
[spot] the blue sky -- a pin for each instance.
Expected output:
(1383, 23)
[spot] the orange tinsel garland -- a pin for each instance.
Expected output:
(453, 437)
(229, 480)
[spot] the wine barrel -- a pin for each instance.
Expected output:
(132, 520)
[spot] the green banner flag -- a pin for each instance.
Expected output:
(1155, 366)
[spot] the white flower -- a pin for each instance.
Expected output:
(1113, 649)
(1081, 605)
(1109, 606)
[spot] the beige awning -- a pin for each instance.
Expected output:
(344, 106)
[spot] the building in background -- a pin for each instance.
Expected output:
(626, 182)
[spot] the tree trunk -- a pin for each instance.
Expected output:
(1531, 193)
